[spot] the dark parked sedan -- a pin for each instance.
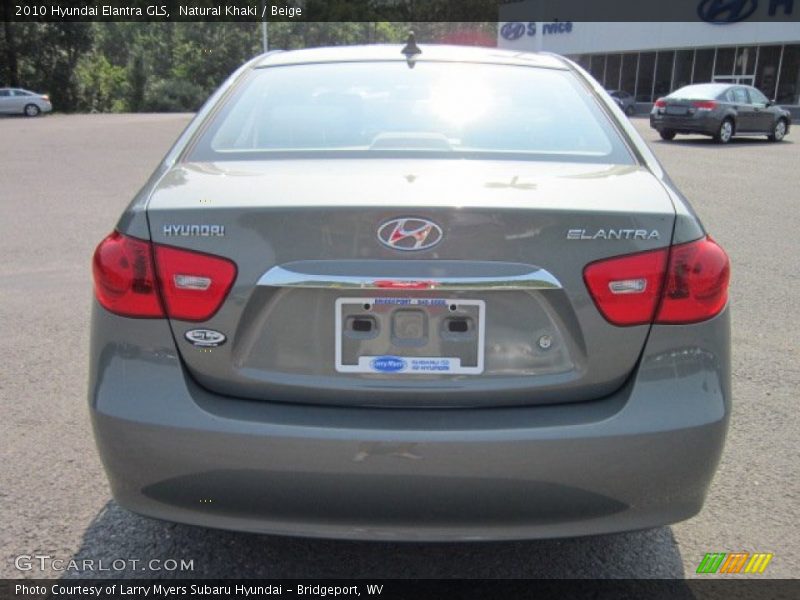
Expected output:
(720, 110)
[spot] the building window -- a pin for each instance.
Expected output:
(723, 69)
(598, 67)
(644, 87)
(789, 80)
(767, 72)
(683, 68)
(663, 74)
(745, 63)
(703, 65)
(612, 71)
(629, 73)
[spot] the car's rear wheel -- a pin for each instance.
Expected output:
(666, 134)
(725, 132)
(31, 110)
(778, 132)
(629, 110)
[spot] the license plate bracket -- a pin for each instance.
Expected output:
(677, 110)
(410, 336)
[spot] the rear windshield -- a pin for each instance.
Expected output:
(433, 110)
(704, 91)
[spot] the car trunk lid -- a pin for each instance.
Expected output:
(500, 295)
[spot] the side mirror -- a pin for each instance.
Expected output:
(770, 103)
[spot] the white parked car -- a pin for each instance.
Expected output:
(17, 101)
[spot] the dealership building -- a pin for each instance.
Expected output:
(649, 60)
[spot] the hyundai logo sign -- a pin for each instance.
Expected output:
(726, 11)
(513, 31)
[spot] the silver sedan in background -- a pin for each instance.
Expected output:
(625, 100)
(16, 101)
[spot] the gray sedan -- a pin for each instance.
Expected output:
(436, 293)
(16, 101)
(625, 100)
(721, 111)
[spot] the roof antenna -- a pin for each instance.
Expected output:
(411, 50)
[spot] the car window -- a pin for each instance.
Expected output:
(435, 109)
(22, 93)
(5, 93)
(757, 97)
(739, 96)
(701, 91)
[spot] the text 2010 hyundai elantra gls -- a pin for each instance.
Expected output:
(374, 293)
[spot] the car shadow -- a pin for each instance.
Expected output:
(701, 141)
(117, 535)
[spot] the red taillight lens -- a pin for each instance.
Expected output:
(697, 283)
(124, 280)
(129, 274)
(193, 285)
(704, 104)
(660, 103)
(626, 289)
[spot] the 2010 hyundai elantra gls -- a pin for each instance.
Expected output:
(431, 293)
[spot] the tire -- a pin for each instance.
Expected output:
(667, 134)
(725, 131)
(778, 132)
(31, 110)
(629, 110)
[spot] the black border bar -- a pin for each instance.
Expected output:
(716, 11)
(727, 588)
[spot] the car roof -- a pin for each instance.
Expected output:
(430, 52)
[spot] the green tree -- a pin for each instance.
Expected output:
(174, 66)
(101, 86)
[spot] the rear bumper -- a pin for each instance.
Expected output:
(703, 123)
(642, 457)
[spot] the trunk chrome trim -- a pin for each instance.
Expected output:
(532, 278)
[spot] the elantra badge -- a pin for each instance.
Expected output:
(409, 233)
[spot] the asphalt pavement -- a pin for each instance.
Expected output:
(64, 181)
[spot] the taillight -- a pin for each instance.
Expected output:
(193, 284)
(697, 283)
(626, 289)
(686, 283)
(124, 279)
(704, 104)
(660, 103)
(133, 276)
